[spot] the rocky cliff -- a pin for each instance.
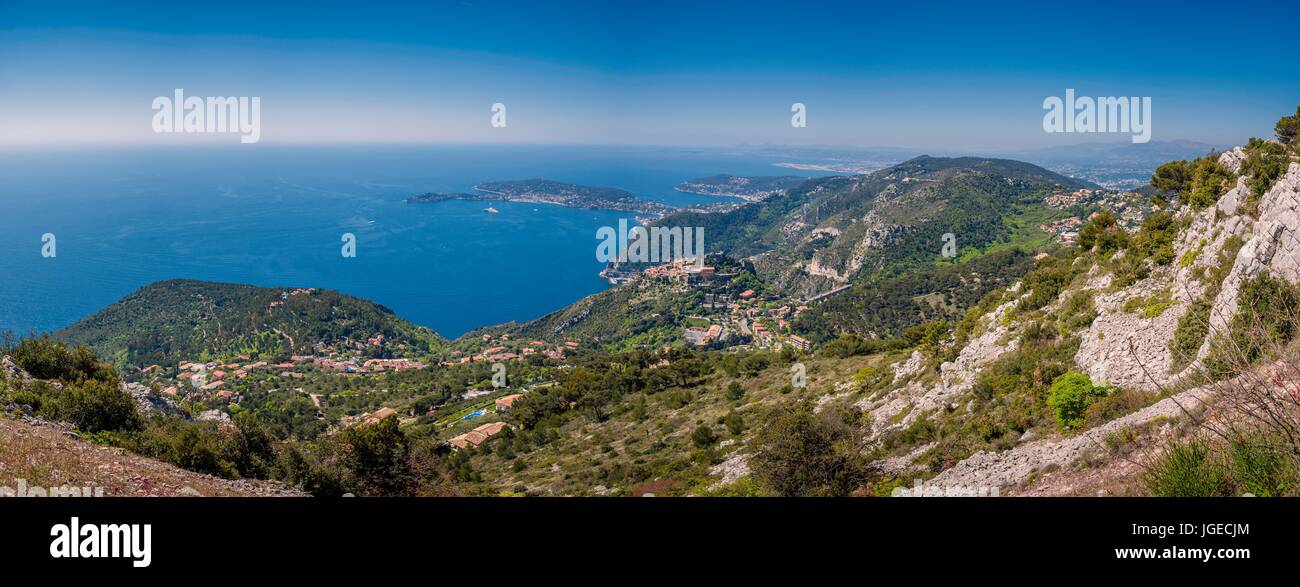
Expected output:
(1124, 345)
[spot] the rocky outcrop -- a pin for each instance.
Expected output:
(10, 370)
(1272, 244)
(148, 402)
(901, 407)
(731, 469)
(218, 416)
(1005, 470)
(1130, 348)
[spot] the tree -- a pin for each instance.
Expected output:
(1173, 177)
(735, 391)
(376, 456)
(1287, 127)
(252, 447)
(1103, 234)
(802, 453)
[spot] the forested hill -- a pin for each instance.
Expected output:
(180, 319)
(828, 231)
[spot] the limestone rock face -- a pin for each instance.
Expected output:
(1129, 348)
(1272, 245)
(901, 407)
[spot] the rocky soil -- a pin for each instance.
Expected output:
(49, 455)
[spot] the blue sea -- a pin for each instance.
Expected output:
(275, 215)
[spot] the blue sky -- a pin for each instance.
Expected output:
(962, 75)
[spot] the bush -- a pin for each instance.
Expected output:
(1174, 177)
(1070, 396)
(1155, 239)
(1046, 282)
(308, 474)
(46, 358)
(1190, 334)
(735, 423)
(1263, 324)
(801, 453)
(1116, 403)
(94, 406)
(735, 391)
(703, 436)
(1210, 180)
(1261, 467)
(1077, 314)
(1198, 183)
(1103, 234)
(251, 448)
(1188, 470)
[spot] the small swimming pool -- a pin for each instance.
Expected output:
(474, 414)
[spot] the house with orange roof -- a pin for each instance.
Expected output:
(477, 436)
(505, 402)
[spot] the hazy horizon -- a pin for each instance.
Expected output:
(669, 75)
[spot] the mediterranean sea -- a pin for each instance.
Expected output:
(271, 215)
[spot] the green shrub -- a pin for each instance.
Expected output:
(735, 391)
(1210, 180)
(1198, 183)
(1155, 239)
(1150, 306)
(1046, 282)
(735, 423)
(251, 448)
(801, 453)
(376, 455)
(703, 436)
(1188, 470)
(94, 406)
(1116, 403)
(46, 358)
(304, 471)
(1174, 177)
(1070, 396)
(1191, 256)
(1262, 467)
(1190, 334)
(1077, 313)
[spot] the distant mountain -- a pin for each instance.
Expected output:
(168, 321)
(1121, 165)
(829, 231)
(1153, 153)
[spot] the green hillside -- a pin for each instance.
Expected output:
(181, 319)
